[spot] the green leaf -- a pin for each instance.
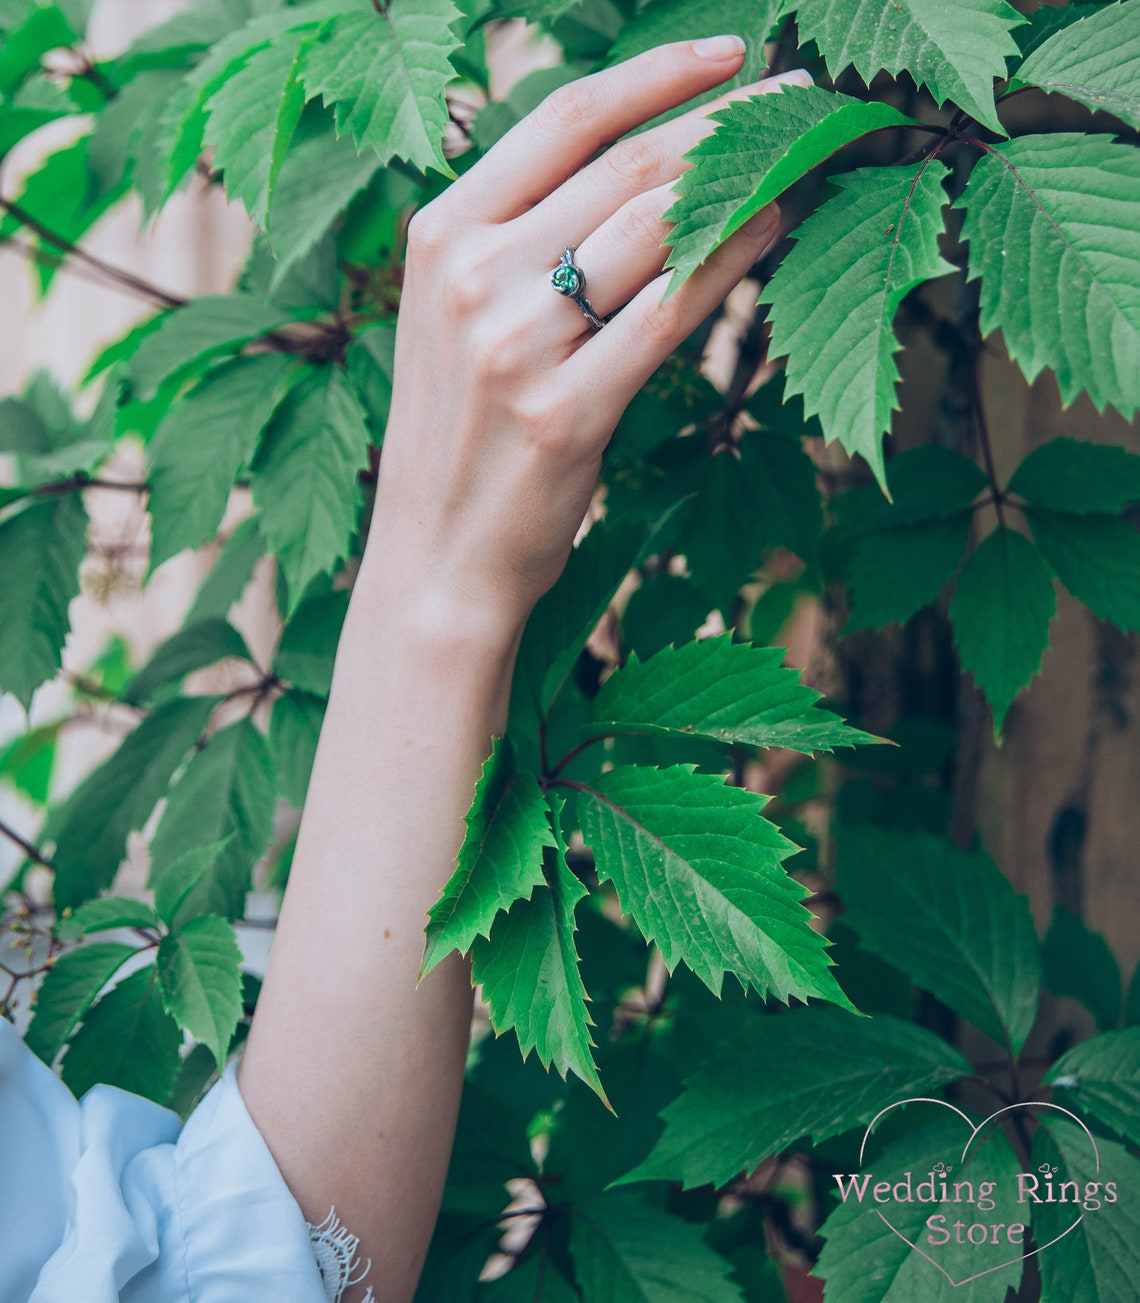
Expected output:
(1077, 476)
(43, 543)
(191, 648)
(1050, 229)
(106, 913)
(182, 129)
(533, 1278)
(780, 479)
(227, 789)
(1095, 61)
(895, 572)
(43, 28)
(501, 859)
(626, 1250)
(68, 991)
(566, 616)
(251, 118)
(1097, 558)
(386, 74)
(307, 649)
(866, 1260)
(813, 1072)
(698, 869)
(1101, 1078)
(301, 212)
(955, 51)
(1078, 963)
(57, 196)
(1098, 1261)
(759, 148)
(200, 448)
(947, 918)
(28, 759)
(529, 971)
(35, 105)
(200, 981)
(371, 363)
(294, 728)
(174, 885)
(127, 1040)
(1001, 611)
(304, 478)
(231, 574)
(662, 610)
(90, 829)
(189, 337)
(834, 297)
(725, 691)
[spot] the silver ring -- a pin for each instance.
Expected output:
(570, 281)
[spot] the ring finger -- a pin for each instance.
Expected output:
(623, 255)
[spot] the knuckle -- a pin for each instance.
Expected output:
(468, 281)
(427, 234)
(636, 162)
(541, 420)
(571, 106)
(667, 321)
(640, 223)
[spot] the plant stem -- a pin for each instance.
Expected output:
(117, 274)
(26, 846)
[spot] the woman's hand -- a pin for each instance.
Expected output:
(504, 398)
(503, 404)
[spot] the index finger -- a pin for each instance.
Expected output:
(573, 123)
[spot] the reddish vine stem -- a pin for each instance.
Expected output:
(118, 274)
(26, 846)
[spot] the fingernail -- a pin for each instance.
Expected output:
(797, 77)
(719, 49)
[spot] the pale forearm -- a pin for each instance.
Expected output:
(380, 1062)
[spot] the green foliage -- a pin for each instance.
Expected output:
(1041, 222)
(698, 868)
(865, 1258)
(508, 829)
(815, 1072)
(1001, 611)
(304, 477)
(1101, 1252)
(528, 967)
(760, 147)
(1078, 962)
(723, 691)
(127, 1040)
(835, 295)
(1094, 61)
(1101, 1078)
(385, 78)
(199, 449)
(44, 543)
(200, 982)
(949, 920)
(954, 51)
(619, 857)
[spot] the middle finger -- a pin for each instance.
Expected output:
(631, 167)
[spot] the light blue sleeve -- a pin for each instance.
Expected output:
(111, 1198)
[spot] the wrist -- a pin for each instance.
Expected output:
(437, 620)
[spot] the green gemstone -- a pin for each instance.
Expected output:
(566, 280)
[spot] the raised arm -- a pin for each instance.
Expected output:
(504, 401)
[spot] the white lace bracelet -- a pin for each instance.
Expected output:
(334, 1247)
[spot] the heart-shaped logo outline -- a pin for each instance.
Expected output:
(974, 1130)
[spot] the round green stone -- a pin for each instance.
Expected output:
(566, 280)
